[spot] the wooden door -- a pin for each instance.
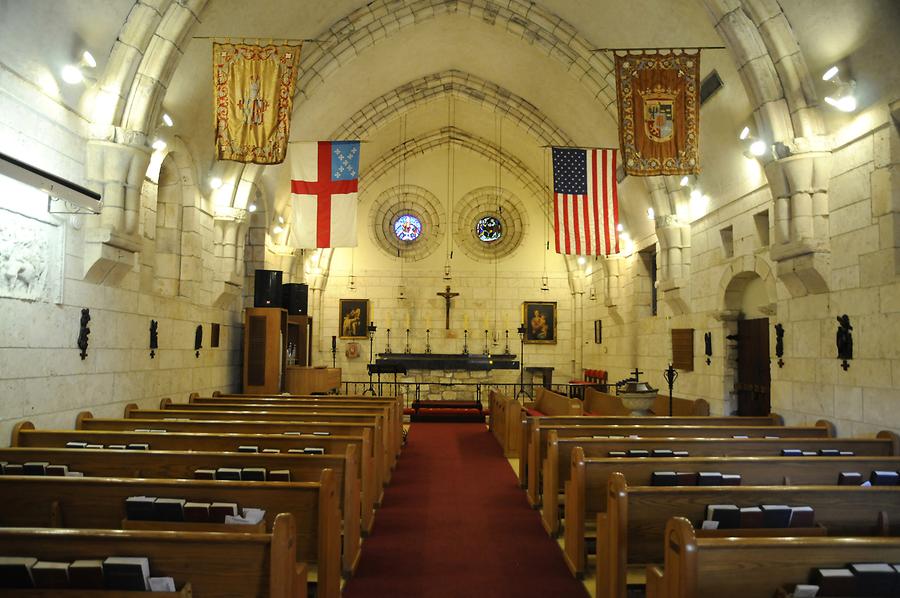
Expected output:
(753, 385)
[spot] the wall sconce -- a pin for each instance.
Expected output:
(753, 147)
(73, 73)
(447, 275)
(545, 283)
(844, 96)
(215, 183)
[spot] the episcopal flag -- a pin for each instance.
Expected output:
(585, 201)
(324, 182)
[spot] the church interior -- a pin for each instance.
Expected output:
(766, 277)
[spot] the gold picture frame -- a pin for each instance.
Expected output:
(353, 318)
(540, 322)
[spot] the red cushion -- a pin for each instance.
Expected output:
(533, 412)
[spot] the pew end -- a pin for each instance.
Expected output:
(79, 419)
(193, 396)
(893, 437)
(14, 439)
(165, 402)
(129, 408)
(824, 423)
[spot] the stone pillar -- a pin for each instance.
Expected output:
(613, 266)
(228, 225)
(799, 184)
(673, 261)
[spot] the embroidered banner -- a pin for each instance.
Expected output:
(252, 101)
(659, 118)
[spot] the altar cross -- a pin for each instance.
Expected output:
(447, 295)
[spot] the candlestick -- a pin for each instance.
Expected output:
(387, 348)
(465, 342)
(506, 349)
(406, 350)
(428, 340)
(486, 352)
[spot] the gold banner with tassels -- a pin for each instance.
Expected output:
(252, 100)
(659, 112)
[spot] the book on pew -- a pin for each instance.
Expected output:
(246, 448)
(599, 436)
(751, 517)
(140, 508)
(228, 473)
(86, 574)
(804, 590)
(15, 571)
(731, 479)
(13, 469)
(117, 447)
(253, 474)
(292, 433)
(321, 433)
(249, 516)
(809, 453)
(680, 454)
(280, 475)
(829, 452)
(709, 478)
(617, 454)
(93, 446)
(57, 470)
(169, 509)
(662, 453)
(126, 573)
(196, 511)
(847, 453)
(271, 450)
(218, 511)
(75, 444)
(803, 516)
(874, 579)
(50, 574)
(686, 478)
(834, 581)
(791, 453)
(138, 446)
(772, 437)
(161, 584)
(740, 436)
(35, 468)
(638, 453)
(776, 515)
(884, 478)
(74, 474)
(2, 465)
(314, 450)
(663, 478)
(204, 474)
(727, 516)
(849, 478)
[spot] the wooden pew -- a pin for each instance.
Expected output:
(252, 565)
(505, 415)
(182, 464)
(342, 414)
(679, 406)
(528, 424)
(208, 437)
(601, 403)
(630, 531)
(547, 402)
(288, 421)
(698, 567)
(585, 490)
(393, 407)
(99, 503)
(539, 439)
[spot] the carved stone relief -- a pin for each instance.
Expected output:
(31, 258)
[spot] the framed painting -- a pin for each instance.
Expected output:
(540, 321)
(353, 319)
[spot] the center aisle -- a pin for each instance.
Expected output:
(454, 523)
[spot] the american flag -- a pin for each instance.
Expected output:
(585, 201)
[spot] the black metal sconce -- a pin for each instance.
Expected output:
(779, 344)
(844, 341)
(707, 341)
(84, 332)
(198, 340)
(154, 338)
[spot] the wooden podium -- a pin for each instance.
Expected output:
(301, 380)
(265, 345)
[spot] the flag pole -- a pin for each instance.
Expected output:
(659, 49)
(579, 147)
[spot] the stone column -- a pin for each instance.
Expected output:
(674, 240)
(613, 266)
(228, 225)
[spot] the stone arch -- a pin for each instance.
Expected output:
(168, 230)
(733, 283)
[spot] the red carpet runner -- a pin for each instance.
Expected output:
(454, 523)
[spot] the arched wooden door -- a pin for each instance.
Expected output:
(753, 384)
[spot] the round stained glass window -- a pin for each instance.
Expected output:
(407, 227)
(489, 229)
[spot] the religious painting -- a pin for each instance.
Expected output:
(598, 332)
(354, 318)
(540, 321)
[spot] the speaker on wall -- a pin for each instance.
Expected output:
(267, 288)
(295, 298)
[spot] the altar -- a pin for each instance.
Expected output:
(472, 362)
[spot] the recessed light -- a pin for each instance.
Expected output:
(72, 75)
(215, 182)
(830, 73)
(745, 132)
(167, 119)
(88, 59)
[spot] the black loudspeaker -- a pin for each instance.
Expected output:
(295, 298)
(267, 288)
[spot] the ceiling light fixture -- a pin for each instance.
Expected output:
(844, 96)
(581, 260)
(685, 181)
(159, 145)
(277, 229)
(87, 59)
(745, 132)
(251, 208)
(167, 119)
(651, 214)
(620, 227)
(215, 182)
(72, 73)
(830, 73)
(758, 147)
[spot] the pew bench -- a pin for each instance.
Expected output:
(698, 567)
(630, 531)
(547, 402)
(99, 503)
(585, 492)
(504, 423)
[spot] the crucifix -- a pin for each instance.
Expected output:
(447, 295)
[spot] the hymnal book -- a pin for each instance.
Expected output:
(196, 511)
(169, 509)
(13, 469)
(74, 444)
(663, 478)
(751, 517)
(15, 571)
(791, 453)
(834, 582)
(617, 454)
(228, 473)
(295, 451)
(686, 478)
(249, 517)
(638, 453)
(246, 448)
(143, 430)
(847, 453)
(776, 515)
(140, 508)
(74, 474)
(680, 454)
(117, 447)
(138, 446)
(599, 436)
(280, 475)
(218, 511)
(50, 574)
(35, 468)
(314, 450)
(321, 433)
(740, 436)
(878, 478)
(829, 452)
(709, 524)
(204, 474)
(93, 446)
(271, 450)
(809, 453)
(253, 474)
(772, 437)
(709, 478)
(57, 470)
(161, 584)
(728, 516)
(155, 431)
(662, 453)
(86, 574)
(731, 479)
(849, 478)
(874, 579)
(292, 433)
(803, 516)
(803, 590)
(126, 573)
(615, 437)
